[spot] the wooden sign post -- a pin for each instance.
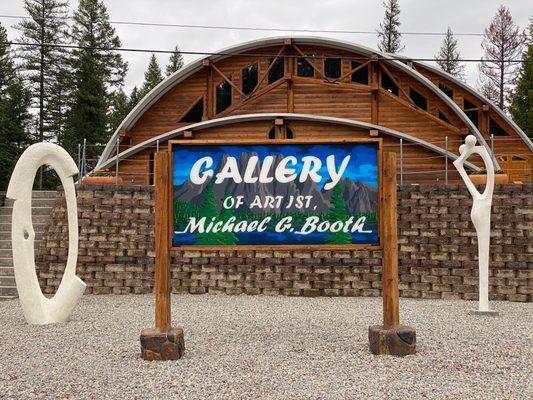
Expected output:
(164, 342)
(391, 337)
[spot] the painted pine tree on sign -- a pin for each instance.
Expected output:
(337, 213)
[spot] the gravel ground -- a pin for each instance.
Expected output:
(257, 347)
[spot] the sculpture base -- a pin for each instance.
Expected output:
(491, 313)
(400, 341)
(162, 346)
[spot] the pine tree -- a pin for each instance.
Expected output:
(338, 212)
(120, 107)
(388, 32)
(152, 77)
(134, 98)
(522, 104)
(99, 73)
(175, 63)
(6, 62)
(93, 30)
(46, 25)
(449, 55)
(88, 116)
(15, 119)
(499, 70)
(60, 99)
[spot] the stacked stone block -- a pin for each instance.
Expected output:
(437, 251)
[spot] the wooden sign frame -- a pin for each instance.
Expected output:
(309, 247)
(167, 343)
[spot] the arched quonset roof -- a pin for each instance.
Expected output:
(270, 116)
(197, 65)
(480, 97)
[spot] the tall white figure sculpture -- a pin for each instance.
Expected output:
(37, 308)
(480, 215)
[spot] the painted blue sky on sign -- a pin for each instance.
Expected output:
(362, 166)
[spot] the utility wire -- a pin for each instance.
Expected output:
(250, 28)
(208, 53)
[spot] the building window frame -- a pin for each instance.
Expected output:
(223, 96)
(249, 78)
(332, 67)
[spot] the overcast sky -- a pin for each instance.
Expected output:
(359, 15)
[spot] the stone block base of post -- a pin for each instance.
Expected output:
(400, 341)
(162, 346)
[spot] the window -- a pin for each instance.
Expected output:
(495, 129)
(446, 90)
(249, 79)
(272, 133)
(471, 112)
(151, 169)
(289, 133)
(388, 84)
(360, 76)
(473, 116)
(468, 105)
(277, 71)
(195, 114)
(443, 117)
(332, 67)
(305, 69)
(223, 96)
(419, 100)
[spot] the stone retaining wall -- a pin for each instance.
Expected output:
(437, 245)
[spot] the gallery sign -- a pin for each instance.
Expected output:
(276, 193)
(283, 194)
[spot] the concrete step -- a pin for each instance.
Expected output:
(36, 219)
(7, 281)
(40, 194)
(7, 271)
(8, 292)
(44, 194)
(7, 235)
(6, 244)
(46, 202)
(6, 261)
(6, 253)
(5, 227)
(8, 210)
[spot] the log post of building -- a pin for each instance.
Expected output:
(391, 337)
(164, 342)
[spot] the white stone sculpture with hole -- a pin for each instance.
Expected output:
(37, 308)
(480, 215)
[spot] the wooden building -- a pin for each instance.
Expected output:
(308, 87)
